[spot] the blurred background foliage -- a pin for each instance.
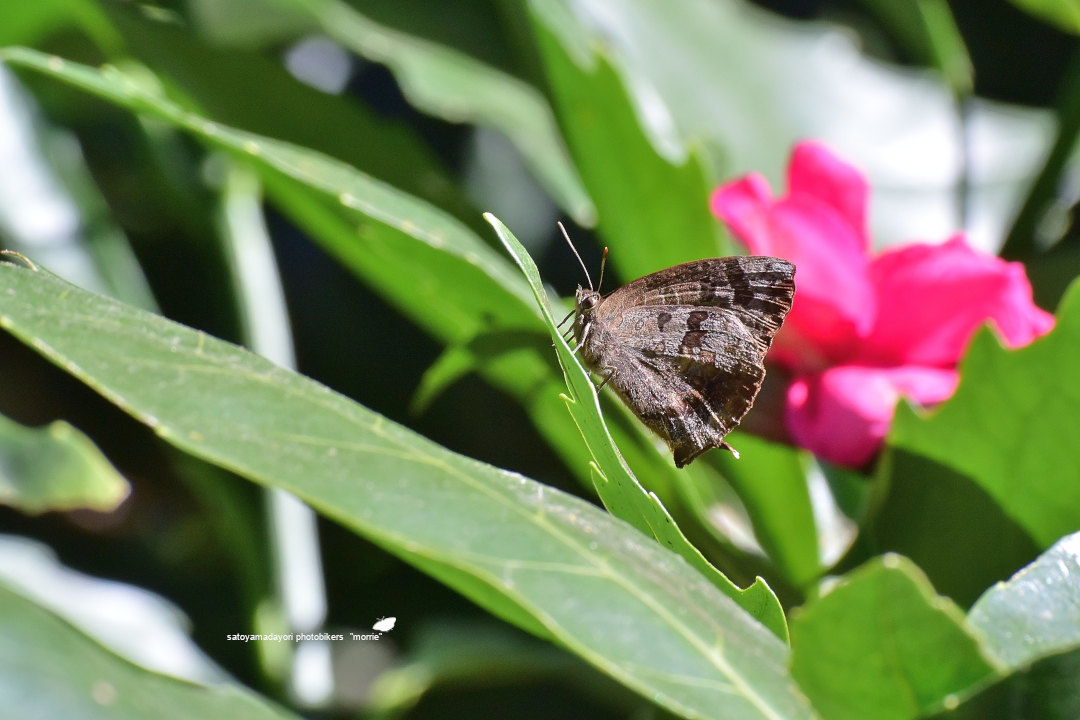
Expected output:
(618, 117)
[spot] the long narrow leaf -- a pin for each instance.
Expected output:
(615, 483)
(551, 562)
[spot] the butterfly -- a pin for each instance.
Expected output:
(685, 347)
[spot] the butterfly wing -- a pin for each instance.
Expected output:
(693, 380)
(688, 345)
(759, 289)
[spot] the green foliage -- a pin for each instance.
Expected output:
(49, 669)
(1009, 427)
(625, 115)
(510, 544)
(1046, 690)
(882, 644)
(957, 534)
(1035, 613)
(1063, 13)
(615, 483)
(55, 468)
(621, 165)
(929, 32)
(771, 481)
(1030, 623)
(454, 86)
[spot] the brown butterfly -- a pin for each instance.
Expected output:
(685, 347)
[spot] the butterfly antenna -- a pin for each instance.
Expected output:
(574, 249)
(603, 264)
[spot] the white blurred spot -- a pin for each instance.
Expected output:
(320, 63)
(135, 623)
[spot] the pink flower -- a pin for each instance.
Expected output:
(867, 330)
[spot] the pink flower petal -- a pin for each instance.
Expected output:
(843, 414)
(815, 172)
(744, 205)
(932, 299)
(863, 333)
(834, 302)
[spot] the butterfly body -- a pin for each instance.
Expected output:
(684, 347)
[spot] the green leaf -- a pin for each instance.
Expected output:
(745, 85)
(150, 631)
(456, 87)
(55, 467)
(1009, 426)
(284, 108)
(1045, 690)
(1036, 612)
(771, 480)
(248, 23)
(429, 266)
(652, 210)
(26, 23)
(927, 31)
(48, 669)
(428, 263)
(459, 655)
(943, 521)
(615, 483)
(452, 365)
(1065, 14)
(882, 644)
(548, 561)
(1028, 234)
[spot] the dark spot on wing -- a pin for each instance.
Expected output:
(695, 318)
(693, 339)
(662, 319)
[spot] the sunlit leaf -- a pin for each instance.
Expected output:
(653, 209)
(48, 669)
(550, 562)
(1037, 611)
(1009, 426)
(615, 483)
(882, 644)
(1065, 14)
(444, 82)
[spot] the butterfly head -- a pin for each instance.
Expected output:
(585, 303)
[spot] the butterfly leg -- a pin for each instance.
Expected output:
(568, 316)
(581, 341)
(608, 373)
